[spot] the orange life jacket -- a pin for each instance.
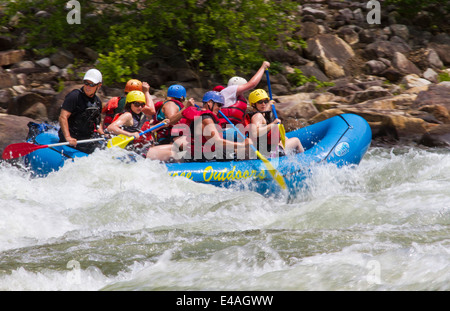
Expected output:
(110, 110)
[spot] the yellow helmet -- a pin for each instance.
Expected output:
(133, 85)
(256, 96)
(135, 96)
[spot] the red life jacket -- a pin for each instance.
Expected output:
(163, 135)
(235, 113)
(189, 115)
(110, 110)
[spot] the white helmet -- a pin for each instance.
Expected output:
(93, 75)
(236, 81)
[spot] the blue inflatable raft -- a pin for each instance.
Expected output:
(340, 140)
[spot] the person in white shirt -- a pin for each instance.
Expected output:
(237, 85)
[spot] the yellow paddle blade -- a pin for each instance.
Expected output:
(282, 135)
(273, 172)
(120, 141)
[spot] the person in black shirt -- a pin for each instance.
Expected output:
(81, 113)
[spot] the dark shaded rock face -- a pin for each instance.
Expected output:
(437, 137)
(435, 95)
(13, 129)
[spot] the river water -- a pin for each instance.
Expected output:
(101, 224)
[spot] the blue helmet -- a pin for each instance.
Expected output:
(214, 96)
(176, 91)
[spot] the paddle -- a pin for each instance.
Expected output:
(273, 172)
(22, 149)
(274, 111)
(122, 140)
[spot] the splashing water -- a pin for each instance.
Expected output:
(103, 224)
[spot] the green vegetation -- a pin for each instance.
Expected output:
(298, 78)
(45, 34)
(224, 37)
(435, 18)
(443, 76)
(415, 6)
(130, 45)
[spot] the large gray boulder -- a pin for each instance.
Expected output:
(331, 53)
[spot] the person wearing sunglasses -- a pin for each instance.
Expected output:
(201, 139)
(116, 104)
(264, 126)
(80, 114)
(133, 120)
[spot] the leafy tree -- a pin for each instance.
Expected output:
(130, 45)
(45, 34)
(220, 35)
(224, 37)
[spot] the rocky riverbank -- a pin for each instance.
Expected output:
(394, 74)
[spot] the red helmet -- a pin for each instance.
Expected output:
(218, 88)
